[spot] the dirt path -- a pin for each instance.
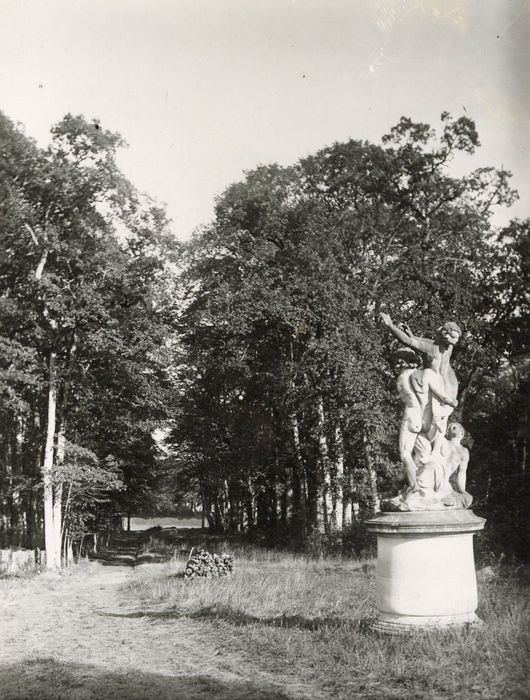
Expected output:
(75, 636)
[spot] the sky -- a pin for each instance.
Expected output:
(203, 90)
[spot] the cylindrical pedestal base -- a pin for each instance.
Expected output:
(425, 569)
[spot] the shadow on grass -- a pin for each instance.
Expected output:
(49, 679)
(116, 561)
(122, 559)
(178, 576)
(151, 559)
(241, 619)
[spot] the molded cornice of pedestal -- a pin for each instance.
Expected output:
(425, 522)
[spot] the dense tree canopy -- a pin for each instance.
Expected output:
(83, 330)
(287, 409)
(258, 344)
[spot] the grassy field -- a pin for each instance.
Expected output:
(283, 627)
(296, 618)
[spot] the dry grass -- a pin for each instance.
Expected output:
(295, 617)
(50, 679)
(282, 627)
(268, 586)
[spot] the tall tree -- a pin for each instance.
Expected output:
(281, 334)
(84, 306)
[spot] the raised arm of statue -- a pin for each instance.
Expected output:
(420, 344)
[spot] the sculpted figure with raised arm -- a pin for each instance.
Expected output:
(436, 356)
(418, 388)
(428, 387)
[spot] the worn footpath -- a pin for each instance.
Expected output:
(77, 635)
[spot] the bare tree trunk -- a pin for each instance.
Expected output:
(338, 500)
(324, 492)
(249, 509)
(68, 554)
(52, 508)
(372, 474)
(57, 519)
(33, 495)
(279, 501)
(321, 515)
(347, 513)
(8, 507)
(301, 506)
(262, 519)
(58, 529)
(227, 507)
(299, 476)
(53, 553)
(289, 496)
(285, 499)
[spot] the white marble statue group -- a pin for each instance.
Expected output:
(430, 449)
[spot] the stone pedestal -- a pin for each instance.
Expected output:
(425, 569)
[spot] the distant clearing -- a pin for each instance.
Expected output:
(146, 523)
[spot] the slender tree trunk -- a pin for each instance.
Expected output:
(66, 548)
(273, 498)
(250, 502)
(372, 475)
(284, 500)
(8, 505)
(57, 518)
(289, 496)
(58, 490)
(34, 519)
(262, 510)
(205, 505)
(226, 507)
(300, 505)
(47, 469)
(321, 515)
(17, 515)
(218, 515)
(52, 505)
(33, 458)
(347, 514)
(241, 514)
(299, 476)
(324, 492)
(338, 500)
(52, 519)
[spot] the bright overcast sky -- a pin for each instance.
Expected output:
(205, 89)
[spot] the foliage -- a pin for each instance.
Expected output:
(287, 404)
(258, 343)
(82, 282)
